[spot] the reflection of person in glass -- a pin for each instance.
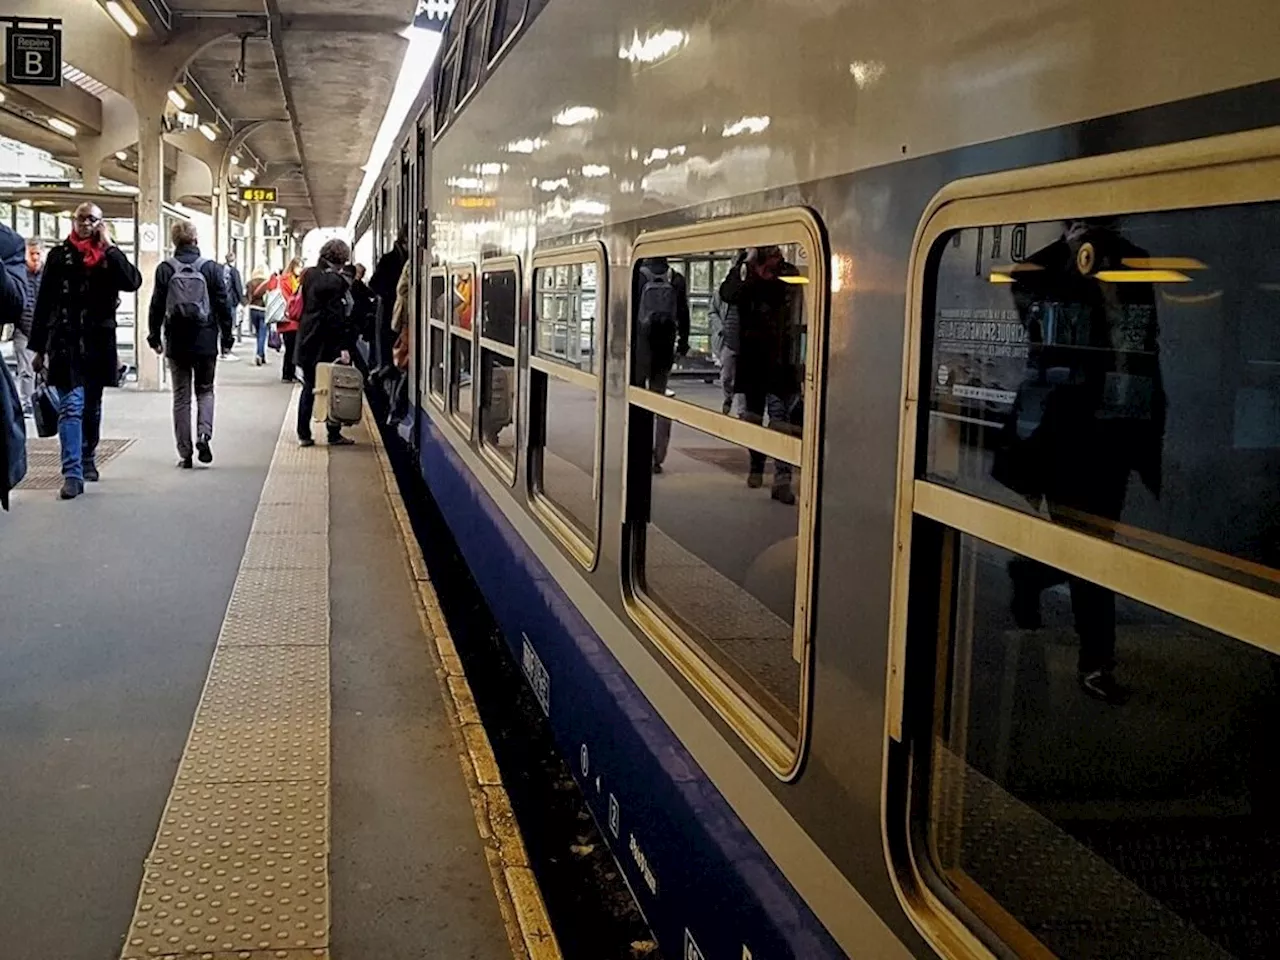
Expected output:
(766, 375)
(1094, 372)
(661, 296)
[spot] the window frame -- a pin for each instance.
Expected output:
(439, 399)
(483, 17)
(440, 120)
(784, 225)
(1233, 169)
(505, 471)
(458, 268)
(552, 516)
(494, 55)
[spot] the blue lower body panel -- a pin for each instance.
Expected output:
(706, 886)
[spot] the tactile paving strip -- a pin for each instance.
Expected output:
(240, 865)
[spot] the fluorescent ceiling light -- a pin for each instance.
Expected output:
(1000, 278)
(550, 186)
(122, 18)
(121, 156)
(64, 128)
(528, 145)
(490, 169)
(1142, 276)
(866, 72)
(209, 132)
(662, 153)
(1, 97)
(235, 159)
(746, 125)
(1163, 263)
(794, 279)
(279, 212)
(572, 116)
(465, 183)
(654, 46)
(178, 100)
(593, 170)
(247, 175)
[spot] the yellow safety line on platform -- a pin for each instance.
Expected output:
(519, 899)
(240, 865)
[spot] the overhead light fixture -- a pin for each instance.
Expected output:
(550, 186)
(663, 153)
(235, 159)
(998, 277)
(247, 175)
(465, 183)
(794, 279)
(527, 145)
(1163, 263)
(490, 169)
(746, 125)
(1, 97)
(866, 72)
(654, 46)
(572, 116)
(1142, 276)
(121, 156)
(121, 16)
(279, 212)
(64, 128)
(592, 170)
(209, 132)
(178, 100)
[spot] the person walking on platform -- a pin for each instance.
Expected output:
(290, 284)
(22, 354)
(190, 308)
(13, 303)
(236, 297)
(74, 329)
(323, 332)
(259, 285)
(661, 296)
(386, 276)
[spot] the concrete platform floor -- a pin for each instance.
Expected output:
(110, 607)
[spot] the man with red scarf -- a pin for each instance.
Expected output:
(73, 336)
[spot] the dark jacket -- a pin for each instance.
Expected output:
(385, 277)
(13, 437)
(32, 281)
(14, 297)
(657, 357)
(767, 358)
(75, 319)
(235, 285)
(325, 327)
(203, 342)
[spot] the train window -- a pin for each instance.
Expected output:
(507, 16)
(473, 50)
(459, 318)
(721, 476)
(444, 90)
(436, 337)
(499, 303)
(1089, 585)
(565, 395)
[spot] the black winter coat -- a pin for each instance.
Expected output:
(766, 333)
(75, 320)
(196, 343)
(325, 327)
(13, 278)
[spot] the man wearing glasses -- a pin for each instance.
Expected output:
(73, 336)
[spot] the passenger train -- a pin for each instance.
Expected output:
(948, 624)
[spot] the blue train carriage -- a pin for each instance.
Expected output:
(985, 663)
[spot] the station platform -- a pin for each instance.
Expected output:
(232, 723)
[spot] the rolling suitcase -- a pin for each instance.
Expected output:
(339, 393)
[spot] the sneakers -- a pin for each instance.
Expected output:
(306, 442)
(755, 480)
(91, 472)
(203, 450)
(341, 441)
(1102, 685)
(185, 463)
(230, 357)
(784, 495)
(657, 467)
(71, 488)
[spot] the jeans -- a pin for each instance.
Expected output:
(307, 406)
(79, 426)
(198, 371)
(755, 405)
(22, 358)
(258, 321)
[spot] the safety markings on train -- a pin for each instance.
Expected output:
(524, 912)
(240, 865)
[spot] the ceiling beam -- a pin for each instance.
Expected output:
(286, 86)
(309, 22)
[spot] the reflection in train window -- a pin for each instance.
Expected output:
(1141, 831)
(732, 594)
(435, 360)
(500, 298)
(507, 15)
(565, 403)
(444, 90)
(498, 406)
(727, 608)
(460, 392)
(473, 57)
(1109, 372)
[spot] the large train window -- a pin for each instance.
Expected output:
(720, 504)
(499, 312)
(566, 401)
(473, 52)
(445, 81)
(507, 17)
(438, 310)
(458, 316)
(1089, 579)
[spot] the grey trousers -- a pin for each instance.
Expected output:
(197, 372)
(22, 358)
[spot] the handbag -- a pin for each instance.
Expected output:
(274, 340)
(44, 409)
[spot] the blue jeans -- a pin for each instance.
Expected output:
(258, 320)
(79, 426)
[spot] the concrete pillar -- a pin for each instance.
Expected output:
(151, 243)
(255, 228)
